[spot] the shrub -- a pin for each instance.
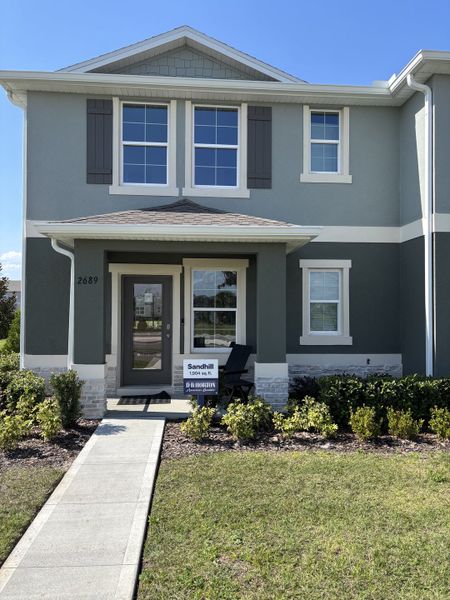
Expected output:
(342, 394)
(244, 421)
(9, 364)
(301, 387)
(12, 343)
(12, 430)
(364, 423)
(287, 425)
(440, 422)
(197, 426)
(317, 417)
(29, 389)
(49, 418)
(67, 390)
(401, 424)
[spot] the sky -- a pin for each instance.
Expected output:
(345, 42)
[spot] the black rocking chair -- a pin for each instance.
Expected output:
(231, 383)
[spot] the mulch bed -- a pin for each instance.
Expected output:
(60, 452)
(177, 445)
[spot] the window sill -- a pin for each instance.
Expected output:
(143, 190)
(326, 340)
(325, 178)
(217, 192)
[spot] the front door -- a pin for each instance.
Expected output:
(147, 330)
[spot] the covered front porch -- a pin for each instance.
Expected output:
(155, 286)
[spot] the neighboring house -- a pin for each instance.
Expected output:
(14, 287)
(203, 196)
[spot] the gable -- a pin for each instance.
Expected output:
(182, 52)
(186, 62)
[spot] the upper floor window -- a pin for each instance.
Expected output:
(144, 148)
(325, 146)
(216, 145)
(144, 143)
(216, 150)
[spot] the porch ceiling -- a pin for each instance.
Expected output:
(183, 220)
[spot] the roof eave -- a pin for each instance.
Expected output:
(293, 236)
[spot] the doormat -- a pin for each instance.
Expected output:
(161, 398)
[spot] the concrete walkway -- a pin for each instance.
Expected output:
(86, 541)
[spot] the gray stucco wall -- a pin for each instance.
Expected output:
(442, 316)
(46, 299)
(374, 297)
(441, 94)
(412, 303)
(57, 165)
(186, 62)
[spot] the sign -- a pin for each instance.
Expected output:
(201, 377)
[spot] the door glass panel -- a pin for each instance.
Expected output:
(147, 326)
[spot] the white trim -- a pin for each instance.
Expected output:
(117, 270)
(271, 370)
(44, 361)
(239, 191)
(90, 371)
(342, 360)
(342, 338)
(343, 173)
(150, 189)
(22, 337)
(239, 265)
(355, 234)
(181, 34)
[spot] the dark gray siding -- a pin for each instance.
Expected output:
(374, 297)
(442, 316)
(412, 303)
(46, 299)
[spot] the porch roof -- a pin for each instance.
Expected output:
(183, 220)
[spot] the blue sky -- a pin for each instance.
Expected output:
(350, 41)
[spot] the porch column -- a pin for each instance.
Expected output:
(271, 369)
(89, 317)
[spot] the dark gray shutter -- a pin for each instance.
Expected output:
(259, 147)
(99, 141)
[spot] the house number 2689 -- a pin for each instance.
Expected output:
(87, 280)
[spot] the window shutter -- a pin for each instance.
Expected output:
(99, 141)
(259, 147)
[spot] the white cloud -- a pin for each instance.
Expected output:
(11, 262)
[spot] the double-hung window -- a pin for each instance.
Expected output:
(216, 151)
(144, 144)
(325, 146)
(144, 148)
(216, 146)
(325, 302)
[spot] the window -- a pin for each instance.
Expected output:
(325, 302)
(144, 152)
(215, 292)
(214, 305)
(326, 146)
(144, 143)
(216, 160)
(215, 146)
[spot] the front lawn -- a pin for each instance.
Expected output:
(23, 490)
(307, 525)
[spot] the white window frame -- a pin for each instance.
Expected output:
(327, 338)
(144, 189)
(212, 264)
(343, 174)
(207, 191)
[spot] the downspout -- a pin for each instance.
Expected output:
(70, 337)
(427, 216)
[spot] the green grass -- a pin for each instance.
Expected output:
(23, 490)
(312, 526)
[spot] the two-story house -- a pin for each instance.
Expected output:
(181, 195)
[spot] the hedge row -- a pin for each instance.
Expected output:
(343, 394)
